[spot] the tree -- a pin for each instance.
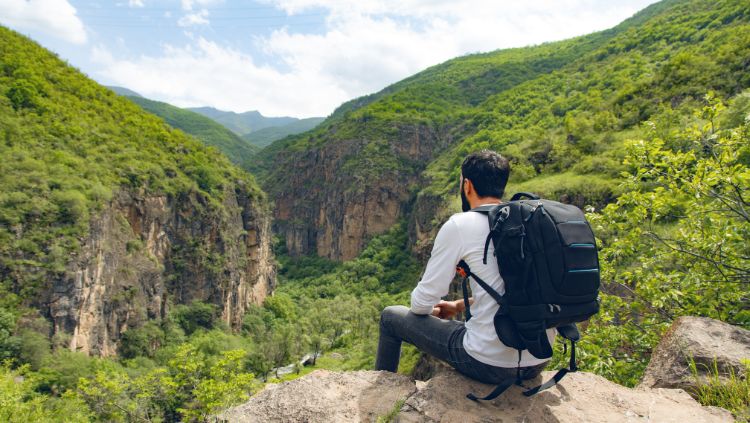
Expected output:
(675, 242)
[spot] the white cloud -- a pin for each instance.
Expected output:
(365, 46)
(53, 17)
(187, 5)
(208, 74)
(191, 19)
(135, 3)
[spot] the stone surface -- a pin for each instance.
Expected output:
(580, 397)
(144, 253)
(703, 339)
(324, 396)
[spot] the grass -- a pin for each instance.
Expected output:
(391, 416)
(729, 391)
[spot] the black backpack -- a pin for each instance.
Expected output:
(547, 256)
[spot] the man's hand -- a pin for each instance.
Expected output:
(448, 309)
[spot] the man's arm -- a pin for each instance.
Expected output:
(440, 270)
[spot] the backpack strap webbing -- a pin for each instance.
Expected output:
(465, 272)
(570, 333)
(503, 386)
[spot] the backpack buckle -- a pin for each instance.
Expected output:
(463, 269)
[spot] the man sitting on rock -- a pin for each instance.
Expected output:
(472, 348)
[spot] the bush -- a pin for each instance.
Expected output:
(196, 315)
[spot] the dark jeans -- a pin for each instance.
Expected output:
(440, 338)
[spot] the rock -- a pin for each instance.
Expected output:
(307, 360)
(580, 397)
(324, 396)
(703, 339)
(143, 253)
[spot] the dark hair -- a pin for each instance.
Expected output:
(487, 171)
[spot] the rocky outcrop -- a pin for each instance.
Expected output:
(707, 342)
(324, 396)
(363, 396)
(145, 253)
(335, 195)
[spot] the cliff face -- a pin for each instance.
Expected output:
(145, 253)
(335, 196)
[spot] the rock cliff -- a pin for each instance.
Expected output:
(332, 197)
(145, 253)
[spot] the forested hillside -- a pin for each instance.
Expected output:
(118, 235)
(208, 131)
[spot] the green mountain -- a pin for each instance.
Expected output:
(560, 111)
(201, 127)
(109, 217)
(242, 123)
(264, 137)
(123, 91)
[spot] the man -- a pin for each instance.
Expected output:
(472, 348)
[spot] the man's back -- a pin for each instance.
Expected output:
(462, 237)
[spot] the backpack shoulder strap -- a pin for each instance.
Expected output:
(485, 209)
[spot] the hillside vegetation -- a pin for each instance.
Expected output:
(207, 130)
(71, 149)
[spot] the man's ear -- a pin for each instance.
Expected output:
(468, 187)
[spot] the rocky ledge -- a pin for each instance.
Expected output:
(366, 396)
(363, 396)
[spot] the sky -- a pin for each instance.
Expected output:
(298, 58)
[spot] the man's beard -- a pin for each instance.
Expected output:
(465, 206)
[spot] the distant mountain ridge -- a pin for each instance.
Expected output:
(266, 136)
(251, 126)
(242, 123)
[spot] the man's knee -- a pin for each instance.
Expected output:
(391, 314)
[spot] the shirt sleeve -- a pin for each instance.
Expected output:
(440, 270)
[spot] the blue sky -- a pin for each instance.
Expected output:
(288, 57)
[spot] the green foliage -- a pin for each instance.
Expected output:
(19, 403)
(674, 243)
(391, 416)
(195, 315)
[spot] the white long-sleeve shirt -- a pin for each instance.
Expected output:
(462, 238)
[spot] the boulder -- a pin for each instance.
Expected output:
(363, 396)
(324, 396)
(708, 342)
